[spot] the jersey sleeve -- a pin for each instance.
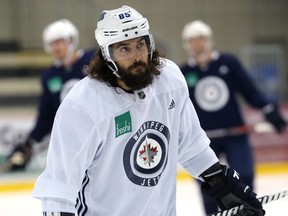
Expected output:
(46, 114)
(195, 154)
(246, 86)
(73, 145)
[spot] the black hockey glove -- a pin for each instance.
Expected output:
(229, 190)
(249, 211)
(20, 156)
(273, 115)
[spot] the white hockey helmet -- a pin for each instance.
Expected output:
(60, 29)
(119, 25)
(196, 29)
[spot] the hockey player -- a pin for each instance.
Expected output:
(215, 80)
(120, 132)
(61, 40)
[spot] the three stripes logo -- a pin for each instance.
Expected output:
(172, 105)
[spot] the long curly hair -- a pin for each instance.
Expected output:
(98, 68)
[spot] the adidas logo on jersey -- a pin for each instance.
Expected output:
(172, 105)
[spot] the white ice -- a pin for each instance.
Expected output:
(188, 199)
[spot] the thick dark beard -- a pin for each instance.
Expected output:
(136, 81)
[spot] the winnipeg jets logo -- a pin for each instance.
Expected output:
(211, 93)
(67, 87)
(148, 153)
(145, 155)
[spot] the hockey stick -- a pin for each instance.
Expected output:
(263, 200)
(260, 127)
(6, 166)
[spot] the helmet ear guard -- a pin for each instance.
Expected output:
(120, 25)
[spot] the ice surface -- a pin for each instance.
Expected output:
(188, 200)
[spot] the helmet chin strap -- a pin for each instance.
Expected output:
(114, 69)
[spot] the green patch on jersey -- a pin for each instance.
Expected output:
(55, 84)
(191, 79)
(123, 124)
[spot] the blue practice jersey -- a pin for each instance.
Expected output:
(56, 81)
(214, 90)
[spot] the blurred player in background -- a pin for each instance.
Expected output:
(215, 80)
(121, 131)
(61, 40)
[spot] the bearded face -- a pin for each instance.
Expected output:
(130, 70)
(136, 76)
(131, 58)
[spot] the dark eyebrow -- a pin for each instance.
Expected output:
(119, 44)
(123, 43)
(142, 38)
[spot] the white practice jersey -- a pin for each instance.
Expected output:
(116, 153)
